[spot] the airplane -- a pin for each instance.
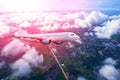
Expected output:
(47, 38)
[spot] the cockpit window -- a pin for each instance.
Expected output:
(72, 34)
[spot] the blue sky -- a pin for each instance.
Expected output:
(108, 4)
(31, 5)
(80, 4)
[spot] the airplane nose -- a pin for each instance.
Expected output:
(77, 37)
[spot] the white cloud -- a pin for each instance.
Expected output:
(109, 28)
(110, 61)
(55, 21)
(21, 68)
(25, 24)
(46, 28)
(108, 70)
(24, 65)
(95, 18)
(80, 78)
(115, 17)
(13, 49)
(4, 30)
(80, 23)
(32, 57)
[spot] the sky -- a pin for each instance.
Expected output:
(36, 5)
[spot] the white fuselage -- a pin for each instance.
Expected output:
(54, 37)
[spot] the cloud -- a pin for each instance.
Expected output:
(25, 58)
(4, 30)
(47, 28)
(115, 17)
(21, 68)
(95, 18)
(25, 24)
(110, 61)
(80, 78)
(32, 57)
(56, 21)
(24, 65)
(14, 48)
(108, 70)
(109, 28)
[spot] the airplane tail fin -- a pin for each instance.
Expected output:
(20, 31)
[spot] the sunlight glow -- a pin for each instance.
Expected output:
(24, 5)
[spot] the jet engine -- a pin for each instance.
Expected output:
(45, 41)
(58, 43)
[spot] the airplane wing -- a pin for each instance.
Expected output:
(29, 38)
(35, 39)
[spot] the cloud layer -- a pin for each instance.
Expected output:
(21, 58)
(24, 65)
(109, 28)
(103, 25)
(14, 48)
(81, 78)
(108, 70)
